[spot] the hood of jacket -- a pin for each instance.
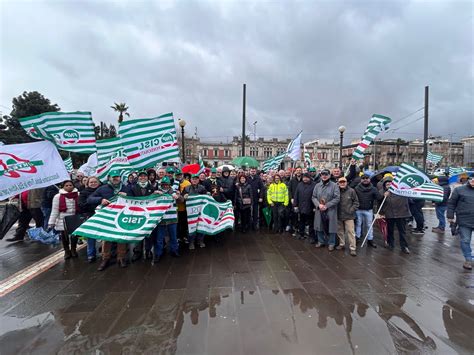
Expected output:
(62, 191)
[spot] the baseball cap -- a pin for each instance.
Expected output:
(165, 180)
(213, 170)
(195, 176)
(143, 172)
(342, 179)
(170, 170)
(114, 173)
(178, 171)
(312, 170)
(325, 172)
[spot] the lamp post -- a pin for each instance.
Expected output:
(182, 123)
(341, 130)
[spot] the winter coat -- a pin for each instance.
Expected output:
(241, 192)
(105, 191)
(137, 191)
(277, 193)
(303, 197)
(195, 190)
(228, 185)
(257, 186)
(348, 204)
(443, 181)
(462, 203)
(48, 195)
(83, 205)
(208, 183)
(328, 191)
(294, 182)
(352, 175)
(395, 206)
(57, 218)
(367, 195)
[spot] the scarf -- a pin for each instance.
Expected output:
(62, 201)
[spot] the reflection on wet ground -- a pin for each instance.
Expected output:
(251, 294)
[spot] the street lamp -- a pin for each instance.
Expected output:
(341, 130)
(182, 123)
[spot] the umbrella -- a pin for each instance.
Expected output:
(457, 178)
(267, 213)
(191, 169)
(245, 162)
(225, 165)
(380, 173)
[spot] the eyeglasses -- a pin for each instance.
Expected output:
(324, 174)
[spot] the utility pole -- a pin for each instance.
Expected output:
(243, 122)
(425, 135)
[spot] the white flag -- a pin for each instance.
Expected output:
(294, 148)
(29, 166)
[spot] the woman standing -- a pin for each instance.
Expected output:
(278, 199)
(92, 184)
(65, 203)
(243, 201)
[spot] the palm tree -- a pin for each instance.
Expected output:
(122, 109)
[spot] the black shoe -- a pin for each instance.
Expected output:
(91, 259)
(371, 243)
(313, 241)
(122, 263)
(74, 253)
(358, 241)
(15, 239)
(136, 257)
(175, 255)
(103, 265)
(148, 255)
(406, 250)
(67, 254)
(390, 247)
(156, 260)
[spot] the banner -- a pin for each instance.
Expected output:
(413, 183)
(127, 219)
(207, 216)
(69, 131)
(294, 148)
(89, 168)
(273, 163)
(377, 124)
(149, 141)
(29, 166)
(433, 158)
(110, 156)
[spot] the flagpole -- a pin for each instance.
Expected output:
(373, 221)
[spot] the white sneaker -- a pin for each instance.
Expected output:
(288, 228)
(191, 246)
(202, 245)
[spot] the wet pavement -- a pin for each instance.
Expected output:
(255, 293)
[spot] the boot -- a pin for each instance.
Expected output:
(103, 265)
(73, 246)
(65, 242)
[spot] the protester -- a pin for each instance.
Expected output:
(255, 181)
(303, 206)
(195, 189)
(88, 209)
(202, 178)
(243, 202)
(131, 180)
(83, 184)
(167, 226)
(47, 203)
(211, 180)
(396, 211)
(314, 175)
(293, 184)
(278, 199)
(65, 203)
(78, 181)
(346, 213)
(461, 205)
(181, 207)
(233, 174)
(441, 207)
(102, 197)
(326, 197)
(160, 174)
(416, 206)
(140, 189)
(30, 207)
(336, 174)
(152, 178)
(226, 183)
(367, 195)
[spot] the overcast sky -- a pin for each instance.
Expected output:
(308, 65)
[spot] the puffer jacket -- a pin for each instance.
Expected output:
(227, 184)
(443, 181)
(241, 192)
(83, 205)
(181, 204)
(57, 218)
(293, 185)
(348, 204)
(462, 203)
(367, 195)
(303, 197)
(195, 190)
(277, 193)
(104, 192)
(395, 206)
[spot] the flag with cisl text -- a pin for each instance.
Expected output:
(69, 131)
(148, 142)
(29, 166)
(127, 219)
(207, 216)
(110, 156)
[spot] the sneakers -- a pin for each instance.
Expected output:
(294, 234)
(122, 263)
(353, 253)
(371, 244)
(331, 248)
(340, 247)
(467, 265)
(417, 232)
(288, 228)
(202, 245)
(319, 245)
(437, 230)
(191, 246)
(91, 259)
(406, 250)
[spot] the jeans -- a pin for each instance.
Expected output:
(162, 229)
(255, 214)
(401, 226)
(364, 217)
(465, 234)
(440, 214)
(91, 248)
(46, 213)
(194, 236)
(322, 238)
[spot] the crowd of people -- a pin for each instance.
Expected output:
(326, 207)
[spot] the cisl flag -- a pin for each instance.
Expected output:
(29, 166)
(127, 219)
(207, 216)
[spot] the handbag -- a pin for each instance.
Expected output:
(71, 223)
(245, 200)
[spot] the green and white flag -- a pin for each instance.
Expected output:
(127, 219)
(455, 171)
(207, 216)
(433, 158)
(68, 164)
(307, 159)
(148, 142)
(110, 156)
(202, 167)
(294, 148)
(377, 124)
(69, 131)
(413, 183)
(273, 163)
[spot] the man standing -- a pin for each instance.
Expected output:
(102, 196)
(227, 183)
(195, 189)
(346, 212)
(257, 195)
(211, 180)
(303, 205)
(294, 182)
(461, 203)
(367, 195)
(326, 197)
(416, 206)
(30, 207)
(441, 207)
(314, 175)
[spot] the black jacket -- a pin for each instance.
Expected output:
(136, 191)
(105, 191)
(257, 186)
(195, 190)
(367, 196)
(303, 197)
(208, 184)
(227, 184)
(294, 182)
(85, 207)
(241, 192)
(48, 194)
(444, 182)
(462, 202)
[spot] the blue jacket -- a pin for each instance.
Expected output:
(105, 191)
